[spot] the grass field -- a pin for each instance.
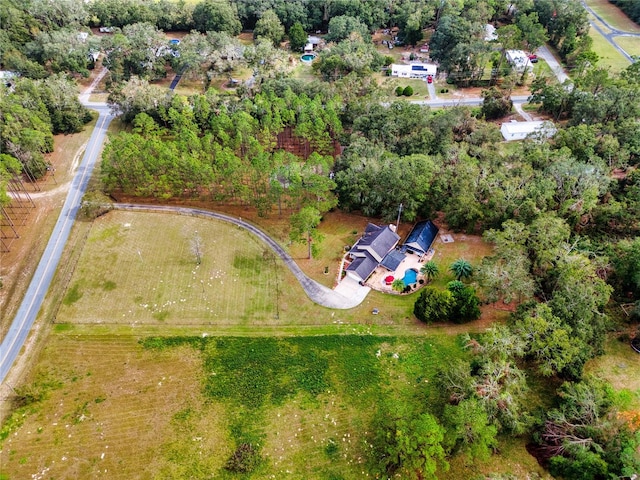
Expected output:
(631, 45)
(613, 16)
(607, 54)
(121, 278)
(113, 408)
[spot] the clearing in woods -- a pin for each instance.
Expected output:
(177, 407)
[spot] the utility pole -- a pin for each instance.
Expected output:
(398, 221)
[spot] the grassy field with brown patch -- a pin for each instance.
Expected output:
(121, 278)
(620, 366)
(107, 413)
(110, 407)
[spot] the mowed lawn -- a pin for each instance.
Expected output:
(613, 16)
(631, 45)
(139, 271)
(142, 268)
(116, 408)
(608, 56)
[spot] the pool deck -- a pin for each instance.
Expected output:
(376, 280)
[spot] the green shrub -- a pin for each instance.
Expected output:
(245, 459)
(408, 91)
(73, 295)
(332, 449)
(399, 91)
(433, 305)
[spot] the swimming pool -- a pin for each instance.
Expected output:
(410, 276)
(308, 57)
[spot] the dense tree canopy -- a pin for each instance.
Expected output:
(32, 113)
(216, 16)
(269, 27)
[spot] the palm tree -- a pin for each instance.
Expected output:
(430, 270)
(461, 268)
(398, 285)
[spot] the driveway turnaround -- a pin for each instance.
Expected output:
(30, 306)
(315, 291)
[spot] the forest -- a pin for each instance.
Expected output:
(563, 213)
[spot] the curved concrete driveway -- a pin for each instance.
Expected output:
(316, 292)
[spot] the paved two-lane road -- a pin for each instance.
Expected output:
(26, 315)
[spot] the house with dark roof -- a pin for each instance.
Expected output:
(370, 250)
(392, 260)
(421, 237)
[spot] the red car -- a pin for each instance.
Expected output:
(533, 58)
(429, 79)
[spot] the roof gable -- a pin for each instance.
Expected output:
(371, 248)
(377, 241)
(363, 266)
(421, 237)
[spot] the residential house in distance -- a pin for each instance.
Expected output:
(370, 250)
(519, 60)
(490, 33)
(521, 130)
(313, 43)
(414, 70)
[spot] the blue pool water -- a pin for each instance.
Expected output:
(410, 276)
(308, 57)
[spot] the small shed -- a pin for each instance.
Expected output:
(520, 130)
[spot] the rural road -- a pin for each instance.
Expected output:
(32, 301)
(315, 291)
(463, 101)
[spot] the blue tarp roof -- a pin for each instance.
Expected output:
(392, 260)
(421, 237)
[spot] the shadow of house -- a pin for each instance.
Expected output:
(420, 238)
(370, 251)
